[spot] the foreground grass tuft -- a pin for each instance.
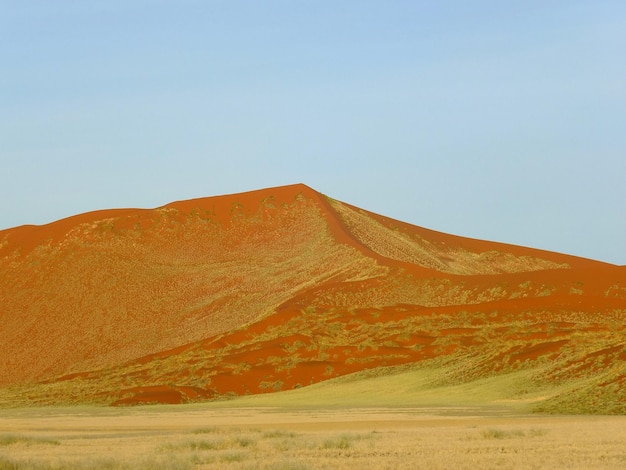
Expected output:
(282, 465)
(279, 433)
(208, 430)
(12, 439)
(97, 464)
(344, 441)
(512, 433)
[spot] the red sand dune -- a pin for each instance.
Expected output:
(281, 288)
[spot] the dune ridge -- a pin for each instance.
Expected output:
(281, 288)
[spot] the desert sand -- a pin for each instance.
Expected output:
(284, 288)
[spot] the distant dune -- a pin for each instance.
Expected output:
(282, 288)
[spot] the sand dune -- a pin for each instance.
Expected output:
(282, 288)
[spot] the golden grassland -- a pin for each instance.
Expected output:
(234, 435)
(391, 418)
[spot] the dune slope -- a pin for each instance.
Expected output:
(282, 288)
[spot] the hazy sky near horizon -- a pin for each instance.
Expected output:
(504, 121)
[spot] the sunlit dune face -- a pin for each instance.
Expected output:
(279, 289)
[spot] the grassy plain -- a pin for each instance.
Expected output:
(244, 434)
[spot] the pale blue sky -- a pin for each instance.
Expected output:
(497, 120)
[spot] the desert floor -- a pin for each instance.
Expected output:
(223, 436)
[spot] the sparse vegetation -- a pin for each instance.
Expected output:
(310, 438)
(502, 433)
(277, 292)
(12, 439)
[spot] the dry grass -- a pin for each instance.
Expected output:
(240, 438)
(13, 439)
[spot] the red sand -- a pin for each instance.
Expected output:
(276, 289)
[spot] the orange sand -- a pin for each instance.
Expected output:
(277, 289)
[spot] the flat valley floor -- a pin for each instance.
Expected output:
(224, 437)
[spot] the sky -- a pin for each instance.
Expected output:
(503, 121)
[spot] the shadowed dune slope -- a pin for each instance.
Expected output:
(281, 288)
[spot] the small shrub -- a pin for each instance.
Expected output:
(245, 441)
(279, 433)
(209, 430)
(199, 445)
(502, 434)
(341, 442)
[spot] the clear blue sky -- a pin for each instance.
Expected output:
(497, 120)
